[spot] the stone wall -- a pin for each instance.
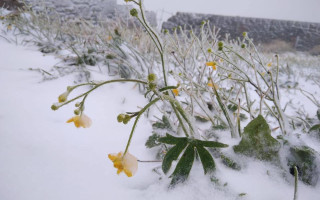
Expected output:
(301, 36)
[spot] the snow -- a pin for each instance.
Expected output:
(42, 157)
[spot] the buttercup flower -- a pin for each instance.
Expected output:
(175, 92)
(81, 121)
(211, 84)
(127, 163)
(212, 64)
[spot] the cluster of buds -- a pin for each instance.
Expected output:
(124, 118)
(220, 45)
(152, 80)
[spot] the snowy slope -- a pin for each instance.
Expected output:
(42, 157)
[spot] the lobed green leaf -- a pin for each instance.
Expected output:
(206, 160)
(169, 139)
(184, 166)
(172, 155)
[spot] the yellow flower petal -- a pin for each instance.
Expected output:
(213, 85)
(212, 64)
(175, 92)
(81, 121)
(269, 64)
(127, 163)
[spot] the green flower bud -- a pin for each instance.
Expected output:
(152, 86)
(76, 112)
(220, 44)
(243, 46)
(63, 97)
(203, 22)
(244, 34)
(152, 77)
(220, 48)
(126, 119)
(54, 107)
(134, 12)
(120, 118)
(209, 50)
(77, 104)
(165, 31)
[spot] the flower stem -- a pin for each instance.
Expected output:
(136, 121)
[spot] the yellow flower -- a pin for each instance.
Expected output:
(127, 163)
(81, 121)
(211, 84)
(212, 64)
(109, 38)
(269, 64)
(175, 92)
(9, 27)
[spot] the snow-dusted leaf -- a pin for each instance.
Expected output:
(169, 139)
(184, 166)
(206, 159)
(172, 155)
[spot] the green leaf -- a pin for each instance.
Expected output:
(184, 166)
(172, 155)
(211, 144)
(152, 141)
(232, 107)
(230, 163)
(206, 160)
(169, 139)
(219, 127)
(200, 118)
(315, 127)
(164, 124)
(257, 141)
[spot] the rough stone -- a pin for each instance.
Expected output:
(301, 36)
(11, 4)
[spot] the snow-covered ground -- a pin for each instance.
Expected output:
(44, 158)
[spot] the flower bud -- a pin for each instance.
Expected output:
(165, 31)
(63, 97)
(126, 119)
(244, 34)
(209, 50)
(77, 104)
(152, 86)
(134, 12)
(54, 107)
(76, 112)
(120, 118)
(152, 77)
(243, 46)
(220, 44)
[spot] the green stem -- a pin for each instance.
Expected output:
(226, 114)
(98, 85)
(295, 183)
(136, 121)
